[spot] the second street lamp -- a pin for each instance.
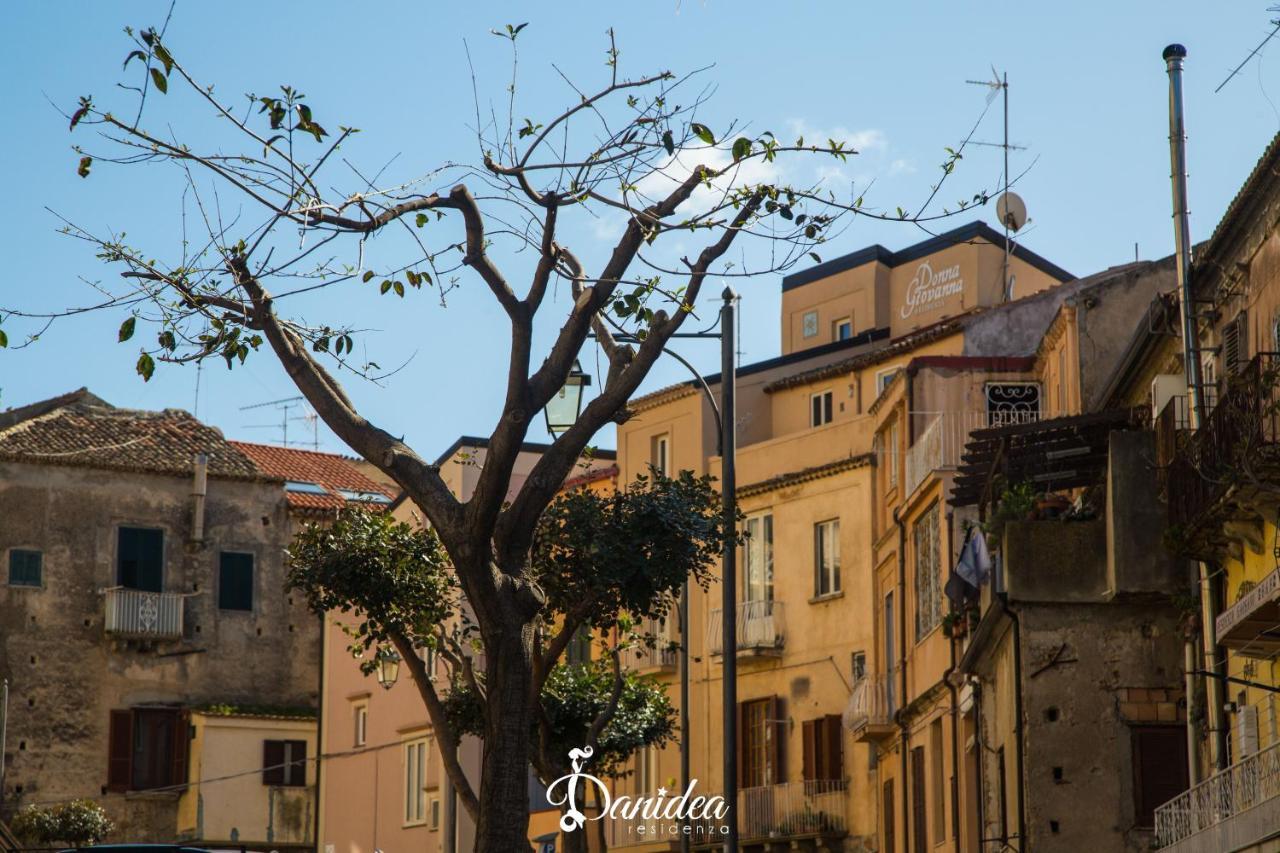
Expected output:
(563, 409)
(388, 670)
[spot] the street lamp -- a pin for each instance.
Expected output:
(563, 409)
(388, 670)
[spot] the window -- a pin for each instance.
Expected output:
(919, 823)
(858, 665)
(823, 749)
(1012, 403)
(235, 581)
(891, 455)
(140, 559)
(889, 816)
(820, 408)
(759, 559)
(759, 746)
(360, 714)
(364, 497)
(146, 749)
(647, 771)
(928, 573)
(936, 781)
(415, 782)
(826, 557)
(284, 762)
(844, 329)
(890, 654)
(1159, 768)
(1235, 345)
(884, 377)
(25, 567)
(1002, 783)
(433, 814)
(660, 454)
(303, 487)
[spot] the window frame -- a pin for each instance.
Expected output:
(253, 576)
(283, 774)
(415, 754)
(660, 453)
(826, 574)
(360, 723)
(9, 577)
(119, 556)
(842, 323)
(764, 520)
(821, 408)
(926, 533)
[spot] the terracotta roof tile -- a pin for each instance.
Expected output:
(81, 430)
(329, 471)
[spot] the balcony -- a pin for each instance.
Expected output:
(1251, 626)
(869, 714)
(140, 615)
(785, 815)
(1231, 810)
(760, 629)
(940, 446)
(1237, 438)
(664, 651)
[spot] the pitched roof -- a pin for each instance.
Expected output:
(330, 473)
(82, 430)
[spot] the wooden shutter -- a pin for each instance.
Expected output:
(833, 748)
(1235, 336)
(919, 825)
(777, 728)
(809, 731)
(120, 750)
(1159, 768)
(889, 815)
(181, 742)
(273, 770)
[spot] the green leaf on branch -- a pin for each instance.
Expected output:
(386, 285)
(741, 148)
(4, 339)
(668, 142)
(398, 286)
(703, 132)
(134, 54)
(126, 330)
(163, 56)
(146, 366)
(158, 78)
(367, 277)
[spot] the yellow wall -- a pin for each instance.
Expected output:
(225, 803)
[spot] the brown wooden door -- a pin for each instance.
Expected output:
(919, 824)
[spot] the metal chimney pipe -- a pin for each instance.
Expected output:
(199, 488)
(1174, 55)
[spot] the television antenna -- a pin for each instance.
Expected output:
(1275, 28)
(1009, 208)
(285, 406)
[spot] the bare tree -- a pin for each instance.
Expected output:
(627, 151)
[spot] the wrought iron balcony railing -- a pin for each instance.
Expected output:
(1199, 467)
(138, 614)
(1220, 798)
(664, 650)
(760, 629)
(869, 714)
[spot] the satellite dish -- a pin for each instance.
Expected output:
(1012, 211)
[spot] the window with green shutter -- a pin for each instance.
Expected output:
(25, 567)
(235, 581)
(140, 559)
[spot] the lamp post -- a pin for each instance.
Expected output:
(726, 436)
(563, 409)
(388, 670)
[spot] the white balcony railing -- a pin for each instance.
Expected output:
(663, 653)
(789, 811)
(138, 614)
(940, 444)
(1221, 797)
(871, 703)
(760, 628)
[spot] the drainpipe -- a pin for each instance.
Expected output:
(955, 714)
(975, 685)
(1174, 55)
(199, 488)
(902, 675)
(4, 729)
(1018, 722)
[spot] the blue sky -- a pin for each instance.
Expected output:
(1088, 98)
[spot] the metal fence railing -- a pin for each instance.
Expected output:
(1219, 798)
(139, 614)
(871, 703)
(760, 627)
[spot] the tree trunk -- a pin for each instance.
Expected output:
(504, 779)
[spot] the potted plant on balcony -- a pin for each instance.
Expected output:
(955, 624)
(1052, 505)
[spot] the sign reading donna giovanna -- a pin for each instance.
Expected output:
(930, 287)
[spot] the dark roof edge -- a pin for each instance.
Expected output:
(525, 447)
(876, 252)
